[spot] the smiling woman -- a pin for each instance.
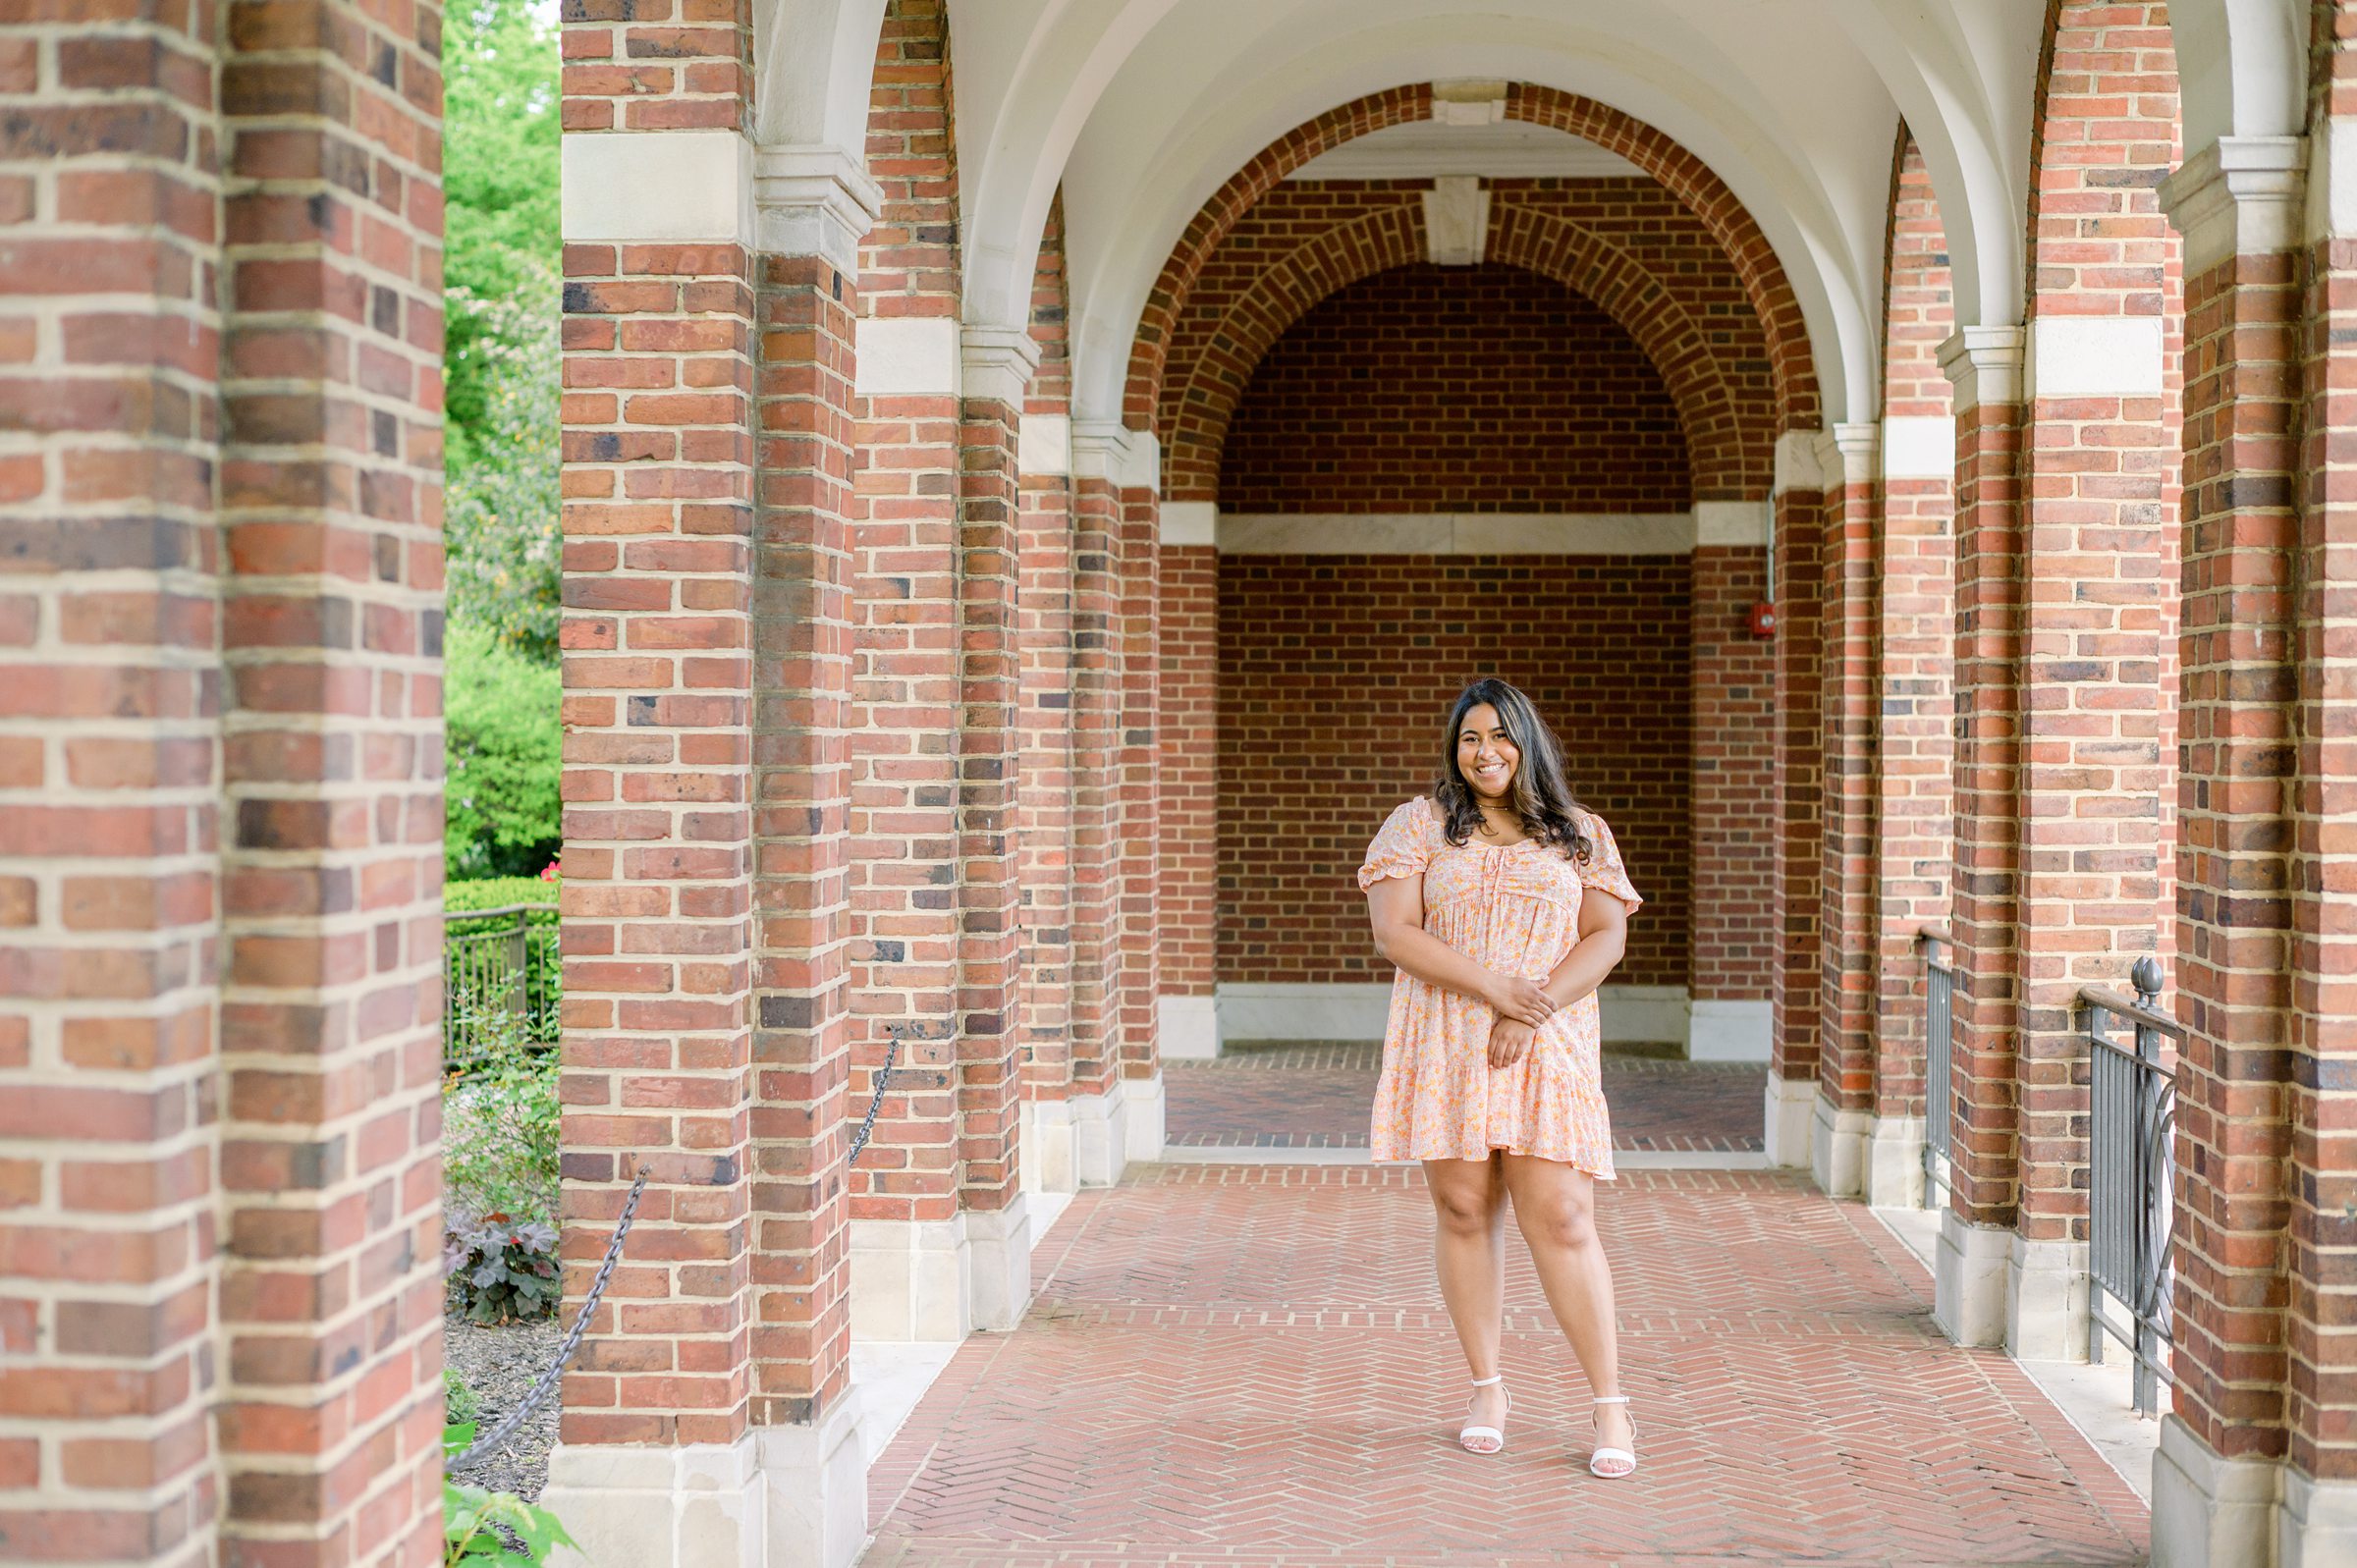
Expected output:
(1491, 1078)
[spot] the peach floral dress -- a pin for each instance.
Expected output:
(1513, 908)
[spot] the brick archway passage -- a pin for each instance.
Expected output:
(1703, 192)
(1730, 436)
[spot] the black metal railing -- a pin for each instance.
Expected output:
(2131, 1178)
(1939, 1056)
(498, 962)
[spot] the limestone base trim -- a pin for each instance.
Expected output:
(1786, 1129)
(2210, 1511)
(1838, 1141)
(913, 1279)
(1970, 1276)
(780, 1498)
(1730, 1031)
(1145, 1121)
(1189, 1028)
(999, 1271)
(2317, 1526)
(1895, 1163)
(1100, 1126)
(1044, 1130)
(2046, 1300)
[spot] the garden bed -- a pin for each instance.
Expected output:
(500, 1363)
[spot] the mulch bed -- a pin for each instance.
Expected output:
(500, 1363)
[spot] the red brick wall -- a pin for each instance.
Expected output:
(1336, 675)
(1472, 389)
(1732, 822)
(1190, 783)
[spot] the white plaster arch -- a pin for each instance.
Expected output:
(814, 62)
(1965, 78)
(2242, 68)
(1177, 123)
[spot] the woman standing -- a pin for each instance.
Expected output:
(1503, 904)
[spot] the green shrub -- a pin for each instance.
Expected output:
(499, 893)
(492, 1527)
(499, 1176)
(458, 1403)
(505, 756)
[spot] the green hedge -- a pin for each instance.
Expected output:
(498, 892)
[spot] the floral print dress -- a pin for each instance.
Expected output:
(1512, 908)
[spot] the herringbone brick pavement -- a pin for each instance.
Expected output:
(1248, 1366)
(1316, 1095)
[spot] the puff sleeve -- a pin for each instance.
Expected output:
(1402, 848)
(1603, 870)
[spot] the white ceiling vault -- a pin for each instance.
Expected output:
(1141, 109)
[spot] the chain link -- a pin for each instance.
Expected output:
(867, 1124)
(565, 1352)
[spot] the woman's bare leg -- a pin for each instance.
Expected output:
(1469, 1200)
(1555, 1206)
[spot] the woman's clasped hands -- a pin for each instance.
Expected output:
(1521, 1006)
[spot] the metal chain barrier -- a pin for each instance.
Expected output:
(507, 1429)
(565, 1352)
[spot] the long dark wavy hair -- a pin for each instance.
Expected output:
(1540, 795)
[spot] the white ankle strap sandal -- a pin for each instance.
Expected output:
(1612, 1464)
(1484, 1440)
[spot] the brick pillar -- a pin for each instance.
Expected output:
(331, 636)
(996, 372)
(2216, 1482)
(1044, 772)
(1799, 505)
(1984, 364)
(1843, 1122)
(1915, 673)
(2091, 584)
(1099, 1145)
(1116, 1082)
(1140, 553)
(220, 807)
(1188, 889)
(804, 1407)
(706, 449)
(1733, 798)
(110, 820)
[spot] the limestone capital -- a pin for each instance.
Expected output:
(998, 362)
(1984, 366)
(2238, 197)
(814, 202)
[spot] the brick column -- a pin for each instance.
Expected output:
(1733, 793)
(1189, 826)
(331, 636)
(1140, 553)
(1799, 505)
(811, 206)
(706, 671)
(1984, 364)
(110, 819)
(1100, 1146)
(996, 372)
(1914, 756)
(1044, 772)
(1045, 784)
(1843, 1120)
(2217, 1480)
(1915, 673)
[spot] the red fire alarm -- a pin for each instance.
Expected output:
(1763, 620)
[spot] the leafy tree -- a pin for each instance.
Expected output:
(505, 754)
(499, 187)
(501, 534)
